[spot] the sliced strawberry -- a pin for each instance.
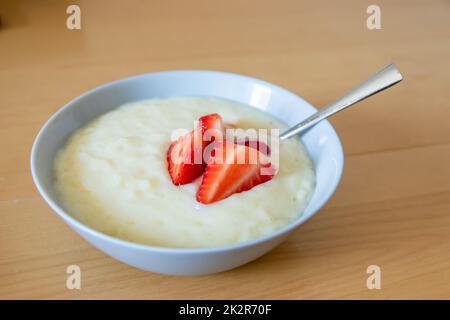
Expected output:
(212, 128)
(184, 158)
(232, 168)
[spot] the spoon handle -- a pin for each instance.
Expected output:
(383, 79)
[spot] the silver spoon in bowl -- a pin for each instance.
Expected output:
(383, 79)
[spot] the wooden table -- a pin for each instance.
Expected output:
(392, 208)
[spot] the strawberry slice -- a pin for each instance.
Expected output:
(184, 158)
(232, 168)
(212, 128)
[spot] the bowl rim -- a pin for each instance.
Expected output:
(177, 250)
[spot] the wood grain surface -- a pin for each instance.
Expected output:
(392, 208)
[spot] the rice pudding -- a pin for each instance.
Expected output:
(112, 176)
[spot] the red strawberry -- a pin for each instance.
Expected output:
(184, 158)
(232, 168)
(212, 128)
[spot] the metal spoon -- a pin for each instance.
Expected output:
(383, 79)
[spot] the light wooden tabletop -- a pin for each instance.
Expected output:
(392, 208)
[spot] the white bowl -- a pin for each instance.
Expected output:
(321, 142)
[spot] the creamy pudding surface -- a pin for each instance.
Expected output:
(112, 175)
